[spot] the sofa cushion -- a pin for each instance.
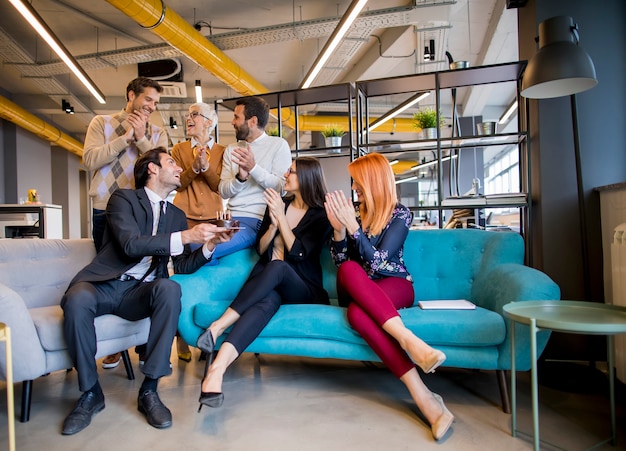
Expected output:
(478, 327)
(48, 322)
(41, 270)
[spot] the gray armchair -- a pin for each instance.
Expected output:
(34, 274)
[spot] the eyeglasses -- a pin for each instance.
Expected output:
(291, 171)
(194, 114)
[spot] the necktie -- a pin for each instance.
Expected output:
(161, 224)
(160, 229)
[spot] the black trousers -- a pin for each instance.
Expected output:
(260, 297)
(131, 300)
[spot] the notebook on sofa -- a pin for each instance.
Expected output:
(456, 304)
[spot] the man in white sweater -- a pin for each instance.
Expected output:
(248, 171)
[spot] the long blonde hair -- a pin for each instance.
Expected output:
(373, 173)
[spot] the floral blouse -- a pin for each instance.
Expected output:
(380, 255)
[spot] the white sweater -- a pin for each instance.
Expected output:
(273, 157)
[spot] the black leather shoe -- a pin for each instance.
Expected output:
(155, 411)
(87, 406)
(205, 342)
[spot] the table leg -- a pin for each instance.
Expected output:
(513, 383)
(610, 350)
(9, 380)
(535, 396)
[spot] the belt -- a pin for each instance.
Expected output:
(125, 278)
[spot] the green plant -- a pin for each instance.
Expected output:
(332, 130)
(426, 118)
(272, 131)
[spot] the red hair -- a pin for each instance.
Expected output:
(372, 172)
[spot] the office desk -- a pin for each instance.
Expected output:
(564, 316)
(41, 220)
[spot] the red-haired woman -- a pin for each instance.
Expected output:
(372, 279)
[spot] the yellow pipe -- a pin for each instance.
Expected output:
(318, 123)
(173, 29)
(177, 32)
(28, 121)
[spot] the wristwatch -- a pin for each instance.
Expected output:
(240, 179)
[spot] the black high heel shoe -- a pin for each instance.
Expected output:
(207, 345)
(211, 399)
(205, 342)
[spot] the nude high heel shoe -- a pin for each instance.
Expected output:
(437, 357)
(443, 423)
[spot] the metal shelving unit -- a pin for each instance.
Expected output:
(443, 148)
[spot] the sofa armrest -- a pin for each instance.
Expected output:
(515, 283)
(31, 362)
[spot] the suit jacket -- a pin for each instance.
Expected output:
(311, 234)
(198, 195)
(128, 238)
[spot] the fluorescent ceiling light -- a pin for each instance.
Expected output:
(431, 163)
(342, 28)
(510, 110)
(392, 162)
(397, 110)
(198, 91)
(35, 21)
(408, 179)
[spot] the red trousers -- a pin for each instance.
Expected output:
(371, 304)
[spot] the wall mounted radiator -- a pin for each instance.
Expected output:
(618, 269)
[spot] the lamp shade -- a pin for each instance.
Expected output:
(560, 67)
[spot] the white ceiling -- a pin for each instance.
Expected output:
(275, 41)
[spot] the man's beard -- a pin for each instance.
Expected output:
(241, 133)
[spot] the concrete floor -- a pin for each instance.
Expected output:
(290, 403)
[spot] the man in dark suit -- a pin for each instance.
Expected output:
(129, 278)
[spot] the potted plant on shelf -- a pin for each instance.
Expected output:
(426, 120)
(273, 131)
(332, 136)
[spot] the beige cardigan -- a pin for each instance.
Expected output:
(198, 194)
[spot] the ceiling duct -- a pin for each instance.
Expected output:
(162, 70)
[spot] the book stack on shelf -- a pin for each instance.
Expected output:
(456, 201)
(506, 199)
(489, 199)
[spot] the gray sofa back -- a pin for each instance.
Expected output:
(41, 270)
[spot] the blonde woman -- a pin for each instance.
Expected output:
(373, 282)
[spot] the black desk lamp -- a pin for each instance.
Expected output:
(562, 68)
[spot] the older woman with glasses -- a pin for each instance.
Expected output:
(293, 232)
(201, 160)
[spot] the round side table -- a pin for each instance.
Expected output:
(576, 317)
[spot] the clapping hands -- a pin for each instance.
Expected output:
(275, 205)
(201, 159)
(340, 213)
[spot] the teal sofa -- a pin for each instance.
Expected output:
(481, 266)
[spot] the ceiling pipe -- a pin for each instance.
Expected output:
(153, 15)
(318, 123)
(173, 29)
(28, 121)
